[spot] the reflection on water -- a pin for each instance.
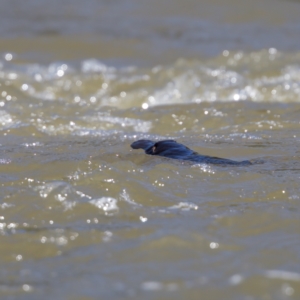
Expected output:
(76, 197)
(265, 76)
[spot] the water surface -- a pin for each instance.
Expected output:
(83, 216)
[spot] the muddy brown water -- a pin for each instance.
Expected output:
(83, 216)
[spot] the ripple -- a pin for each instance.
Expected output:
(284, 275)
(107, 204)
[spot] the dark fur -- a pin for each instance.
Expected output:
(172, 149)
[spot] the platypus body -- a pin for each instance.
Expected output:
(172, 149)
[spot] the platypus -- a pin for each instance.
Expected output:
(172, 149)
